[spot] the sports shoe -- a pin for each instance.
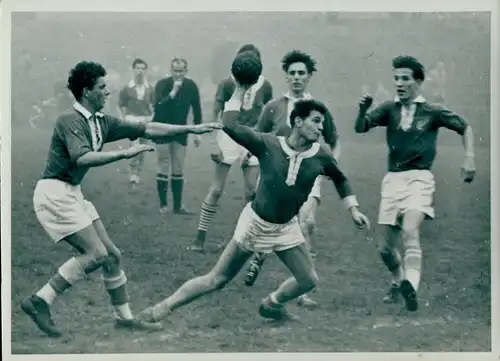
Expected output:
(278, 312)
(307, 302)
(39, 312)
(392, 296)
(137, 324)
(409, 295)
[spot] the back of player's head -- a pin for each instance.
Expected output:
(182, 61)
(249, 47)
(84, 75)
(410, 62)
(297, 56)
(139, 61)
(303, 108)
(246, 68)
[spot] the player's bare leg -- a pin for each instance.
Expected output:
(162, 174)
(307, 223)
(94, 255)
(392, 260)
(227, 267)
(115, 282)
(136, 165)
(210, 205)
(178, 156)
(304, 280)
(410, 235)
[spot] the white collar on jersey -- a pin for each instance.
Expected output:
(81, 109)
(296, 159)
(133, 84)
(418, 99)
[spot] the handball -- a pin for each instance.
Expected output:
(246, 68)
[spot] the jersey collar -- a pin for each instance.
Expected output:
(81, 109)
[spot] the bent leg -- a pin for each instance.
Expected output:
(210, 205)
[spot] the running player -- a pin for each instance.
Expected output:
(135, 103)
(408, 188)
(275, 118)
(228, 152)
(288, 169)
(76, 146)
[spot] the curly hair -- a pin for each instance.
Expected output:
(410, 62)
(304, 108)
(84, 75)
(297, 56)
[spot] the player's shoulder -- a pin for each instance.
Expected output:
(227, 83)
(267, 83)
(68, 120)
(275, 102)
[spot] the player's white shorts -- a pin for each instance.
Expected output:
(254, 234)
(61, 208)
(403, 191)
(232, 152)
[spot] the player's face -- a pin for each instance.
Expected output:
(406, 86)
(140, 72)
(312, 126)
(297, 77)
(98, 95)
(178, 70)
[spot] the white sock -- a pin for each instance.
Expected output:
(413, 276)
(47, 293)
(123, 312)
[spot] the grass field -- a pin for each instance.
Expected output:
(455, 293)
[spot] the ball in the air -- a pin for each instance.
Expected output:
(246, 68)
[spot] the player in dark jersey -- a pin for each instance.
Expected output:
(275, 118)
(408, 188)
(288, 169)
(228, 152)
(76, 146)
(135, 103)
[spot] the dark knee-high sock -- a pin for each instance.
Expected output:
(162, 188)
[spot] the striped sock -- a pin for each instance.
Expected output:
(413, 265)
(162, 188)
(206, 217)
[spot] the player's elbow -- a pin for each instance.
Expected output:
(360, 128)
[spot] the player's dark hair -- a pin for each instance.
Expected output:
(303, 108)
(246, 68)
(249, 47)
(410, 62)
(84, 75)
(179, 60)
(297, 56)
(139, 61)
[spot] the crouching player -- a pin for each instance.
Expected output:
(288, 169)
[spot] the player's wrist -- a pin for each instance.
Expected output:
(351, 203)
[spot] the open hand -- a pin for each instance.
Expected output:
(206, 128)
(137, 149)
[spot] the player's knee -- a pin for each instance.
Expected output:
(309, 282)
(409, 234)
(215, 192)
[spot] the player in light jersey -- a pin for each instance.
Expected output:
(76, 146)
(288, 169)
(228, 152)
(275, 118)
(408, 188)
